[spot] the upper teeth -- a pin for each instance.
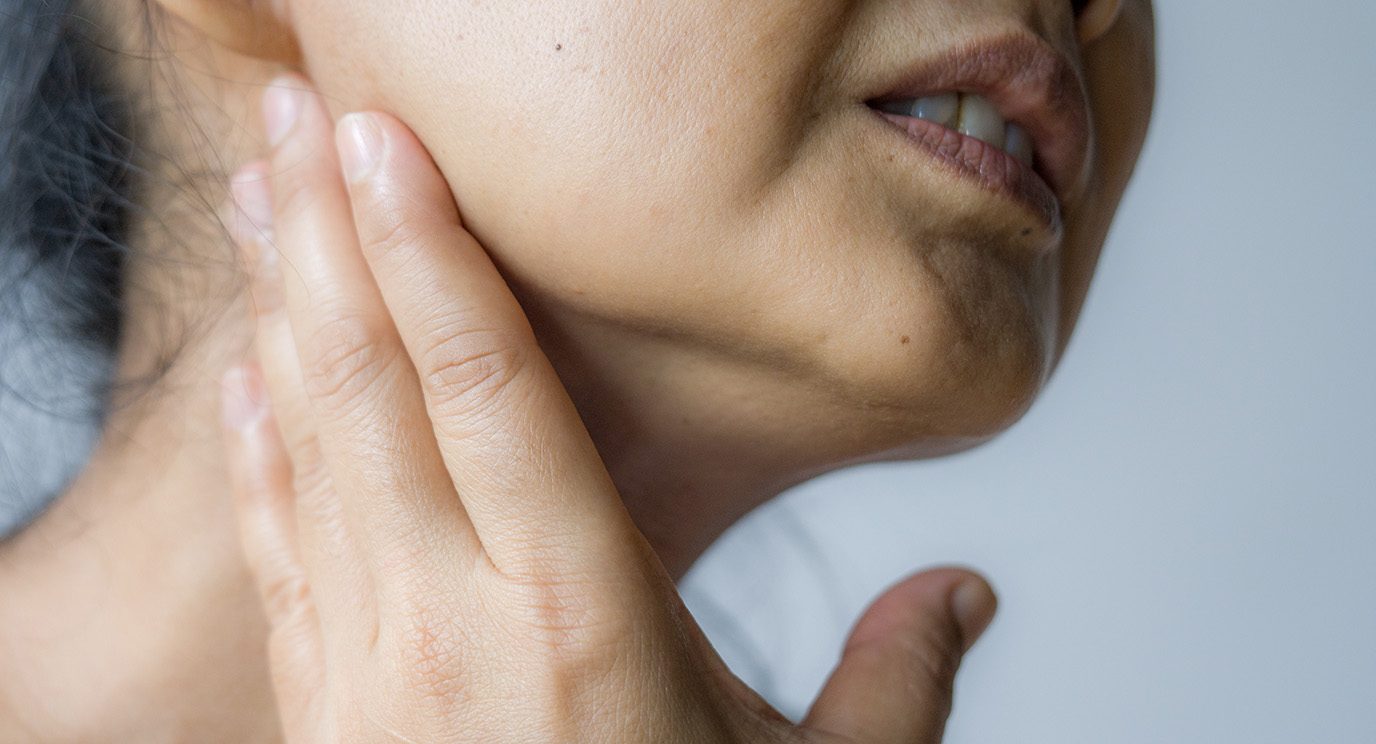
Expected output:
(969, 114)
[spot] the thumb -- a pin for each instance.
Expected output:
(895, 679)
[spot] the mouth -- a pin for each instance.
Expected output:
(1010, 112)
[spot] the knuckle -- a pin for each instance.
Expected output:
(935, 657)
(564, 620)
(570, 641)
(344, 359)
(389, 229)
(319, 511)
(467, 370)
(286, 599)
(428, 648)
(308, 474)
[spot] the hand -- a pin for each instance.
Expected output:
(440, 551)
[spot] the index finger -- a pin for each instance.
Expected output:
(524, 464)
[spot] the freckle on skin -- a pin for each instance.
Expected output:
(558, 47)
(1026, 231)
(904, 340)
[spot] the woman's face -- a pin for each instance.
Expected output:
(706, 179)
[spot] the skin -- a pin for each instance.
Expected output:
(416, 592)
(711, 337)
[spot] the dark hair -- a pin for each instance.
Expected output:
(67, 177)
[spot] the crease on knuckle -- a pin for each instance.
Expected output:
(309, 476)
(285, 598)
(391, 229)
(429, 650)
(318, 510)
(563, 618)
(344, 360)
(469, 370)
(935, 657)
(572, 643)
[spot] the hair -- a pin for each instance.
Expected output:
(67, 182)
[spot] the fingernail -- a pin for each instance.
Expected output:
(281, 108)
(973, 603)
(360, 145)
(243, 397)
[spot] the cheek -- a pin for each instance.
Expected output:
(601, 155)
(591, 156)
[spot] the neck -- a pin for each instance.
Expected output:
(684, 478)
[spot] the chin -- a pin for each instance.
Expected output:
(951, 360)
(972, 416)
(948, 388)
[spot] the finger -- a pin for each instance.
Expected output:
(332, 560)
(895, 679)
(260, 480)
(252, 230)
(525, 466)
(370, 416)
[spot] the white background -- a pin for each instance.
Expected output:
(1183, 530)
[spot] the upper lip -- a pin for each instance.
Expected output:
(1030, 83)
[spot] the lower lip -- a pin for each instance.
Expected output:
(990, 166)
